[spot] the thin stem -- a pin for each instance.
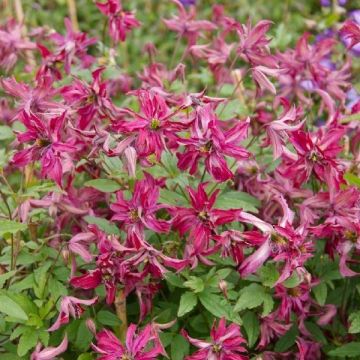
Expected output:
(73, 14)
(120, 306)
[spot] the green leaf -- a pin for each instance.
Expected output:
(237, 200)
(11, 308)
(11, 227)
(268, 275)
(351, 349)
(174, 280)
(253, 296)
(6, 133)
(293, 281)
(103, 224)
(354, 322)
(188, 301)
(104, 185)
(108, 318)
(218, 306)
(179, 348)
(352, 179)
(316, 332)
(86, 356)
(194, 283)
(6, 276)
(320, 293)
(83, 337)
(27, 341)
(252, 327)
(172, 198)
(287, 340)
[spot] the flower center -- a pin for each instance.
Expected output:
(314, 156)
(155, 124)
(278, 240)
(133, 215)
(294, 292)
(203, 215)
(351, 236)
(216, 348)
(206, 148)
(42, 142)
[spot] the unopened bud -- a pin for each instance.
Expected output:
(223, 286)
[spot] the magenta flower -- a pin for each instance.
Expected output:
(351, 31)
(72, 46)
(70, 306)
(226, 344)
(201, 219)
(253, 44)
(139, 212)
(316, 154)
(185, 24)
(12, 44)
(89, 100)
(120, 21)
(49, 353)
(141, 345)
(47, 145)
(153, 127)
(210, 142)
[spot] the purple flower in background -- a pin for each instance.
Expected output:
(188, 2)
(327, 3)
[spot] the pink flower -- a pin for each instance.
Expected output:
(89, 100)
(139, 212)
(316, 154)
(141, 345)
(226, 343)
(12, 44)
(47, 146)
(201, 219)
(351, 31)
(186, 25)
(253, 44)
(210, 142)
(70, 306)
(153, 127)
(49, 353)
(72, 46)
(120, 21)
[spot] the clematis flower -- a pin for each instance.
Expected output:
(153, 127)
(141, 345)
(351, 31)
(185, 24)
(226, 343)
(139, 212)
(12, 44)
(89, 100)
(316, 153)
(210, 142)
(47, 146)
(70, 306)
(49, 353)
(120, 21)
(201, 219)
(71, 46)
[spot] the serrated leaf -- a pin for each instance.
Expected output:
(108, 318)
(11, 227)
(103, 224)
(320, 293)
(252, 327)
(174, 280)
(354, 323)
(172, 198)
(253, 296)
(11, 308)
(188, 301)
(194, 283)
(103, 185)
(179, 348)
(237, 200)
(351, 349)
(268, 275)
(218, 306)
(293, 281)
(27, 341)
(287, 340)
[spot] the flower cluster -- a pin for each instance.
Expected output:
(212, 218)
